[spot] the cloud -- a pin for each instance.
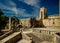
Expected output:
(14, 10)
(10, 9)
(31, 2)
(22, 12)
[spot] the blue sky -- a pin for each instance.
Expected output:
(28, 8)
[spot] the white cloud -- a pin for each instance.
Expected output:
(13, 9)
(18, 11)
(31, 2)
(22, 11)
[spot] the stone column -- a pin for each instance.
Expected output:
(54, 39)
(9, 23)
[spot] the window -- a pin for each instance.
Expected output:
(53, 22)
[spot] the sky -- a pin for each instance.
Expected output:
(28, 8)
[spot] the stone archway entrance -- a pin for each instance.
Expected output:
(14, 22)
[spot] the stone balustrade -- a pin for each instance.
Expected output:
(12, 38)
(46, 30)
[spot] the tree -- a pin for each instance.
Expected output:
(32, 20)
(36, 24)
(1, 13)
(3, 21)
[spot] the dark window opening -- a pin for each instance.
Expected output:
(53, 22)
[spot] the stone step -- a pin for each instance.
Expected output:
(12, 38)
(6, 34)
(24, 41)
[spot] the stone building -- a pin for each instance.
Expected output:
(53, 20)
(25, 22)
(47, 21)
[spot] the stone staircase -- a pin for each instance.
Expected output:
(15, 37)
(27, 36)
(10, 37)
(6, 34)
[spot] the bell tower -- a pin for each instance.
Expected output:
(42, 14)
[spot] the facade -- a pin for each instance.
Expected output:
(25, 22)
(48, 21)
(53, 20)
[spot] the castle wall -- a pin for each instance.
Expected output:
(51, 22)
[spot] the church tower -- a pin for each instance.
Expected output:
(42, 14)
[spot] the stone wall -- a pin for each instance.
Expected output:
(52, 22)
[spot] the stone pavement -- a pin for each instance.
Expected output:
(46, 42)
(24, 41)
